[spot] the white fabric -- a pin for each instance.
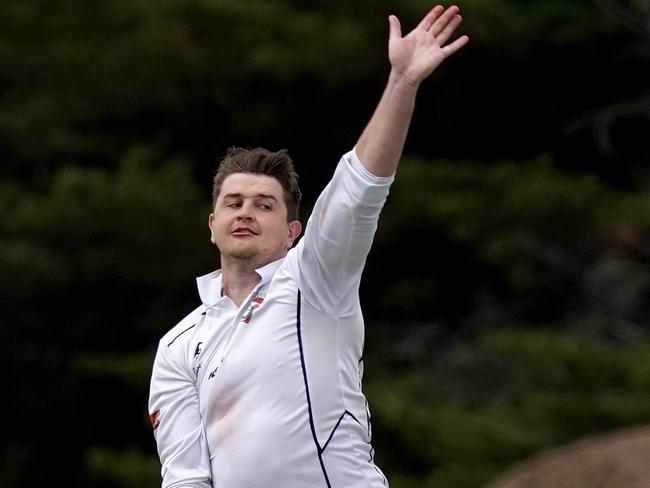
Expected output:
(269, 394)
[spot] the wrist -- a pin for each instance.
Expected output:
(401, 85)
(402, 81)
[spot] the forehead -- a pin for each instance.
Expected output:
(250, 185)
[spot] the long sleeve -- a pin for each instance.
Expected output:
(338, 237)
(178, 426)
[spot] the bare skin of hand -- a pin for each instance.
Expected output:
(415, 56)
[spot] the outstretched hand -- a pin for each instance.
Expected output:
(421, 51)
(412, 58)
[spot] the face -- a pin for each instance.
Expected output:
(249, 221)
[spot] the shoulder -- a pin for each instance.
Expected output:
(179, 334)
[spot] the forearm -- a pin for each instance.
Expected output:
(176, 416)
(413, 58)
(380, 146)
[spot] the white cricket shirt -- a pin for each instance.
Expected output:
(268, 394)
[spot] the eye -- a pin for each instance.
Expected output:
(233, 204)
(265, 206)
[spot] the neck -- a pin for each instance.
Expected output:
(238, 279)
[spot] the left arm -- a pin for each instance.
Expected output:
(413, 58)
(331, 255)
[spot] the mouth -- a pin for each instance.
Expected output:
(243, 232)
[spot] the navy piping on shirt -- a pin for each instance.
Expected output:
(304, 374)
(202, 317)
(337, 426)
(180, 334)
(319, 449)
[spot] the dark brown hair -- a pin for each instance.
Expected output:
(261, 161)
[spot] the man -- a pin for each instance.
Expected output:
(260, 386)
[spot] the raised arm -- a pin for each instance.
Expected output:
(413, 58)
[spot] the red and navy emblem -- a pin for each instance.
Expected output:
(255, 302)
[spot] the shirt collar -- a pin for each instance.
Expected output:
(209, 285)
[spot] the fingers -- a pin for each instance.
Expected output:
(443, 20)
(431, 17)
(395, 28)
(455, 46)
(449, 29)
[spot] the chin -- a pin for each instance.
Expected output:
(243, 253)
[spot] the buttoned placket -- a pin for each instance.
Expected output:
(235, 324)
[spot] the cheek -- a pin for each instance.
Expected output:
(280, 230)
(218, 226)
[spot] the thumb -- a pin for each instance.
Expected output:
(395, 28)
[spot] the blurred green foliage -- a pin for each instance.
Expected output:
(112, 115)
(92, 268)
(459, 414)
(512, 242)
(128, 468)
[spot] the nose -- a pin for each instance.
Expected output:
(244, 212)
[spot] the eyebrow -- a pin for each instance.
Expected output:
(258, 195)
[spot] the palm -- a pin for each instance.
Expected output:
(417, 54)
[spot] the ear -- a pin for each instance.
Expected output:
(213, 239)
(295, 228)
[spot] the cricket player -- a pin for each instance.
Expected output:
(260, 386)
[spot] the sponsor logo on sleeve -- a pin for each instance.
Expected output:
(155, 419)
